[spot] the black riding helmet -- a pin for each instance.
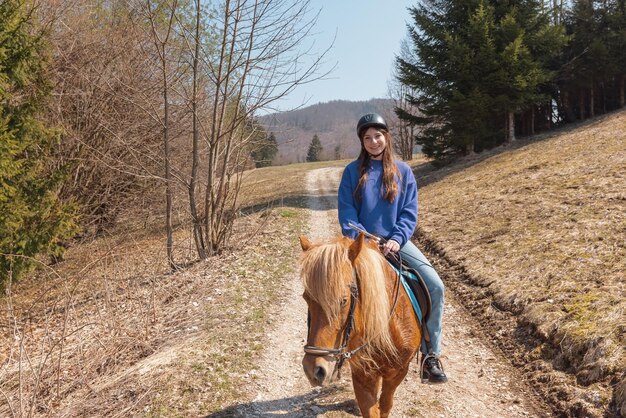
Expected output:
(370, 120)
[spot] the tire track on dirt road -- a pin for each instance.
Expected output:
(482, 383)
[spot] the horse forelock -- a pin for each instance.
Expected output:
(326, 273)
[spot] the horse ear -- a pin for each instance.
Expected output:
(356, 246)
(305, 243)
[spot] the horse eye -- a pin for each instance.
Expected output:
(344, 301)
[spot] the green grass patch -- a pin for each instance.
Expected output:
(288, 213)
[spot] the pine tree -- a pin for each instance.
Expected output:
(315, 150)
(475, 56)
(474, 63)
(577, 76)
(615, 19)
(595, 72)
(32, 219)
(453, 59)
(265, 150)
(525, 40)
(338, 152)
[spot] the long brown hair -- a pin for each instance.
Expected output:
(390, 170)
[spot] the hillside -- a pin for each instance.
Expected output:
(530, 238)
(539, 233)
(333, 122)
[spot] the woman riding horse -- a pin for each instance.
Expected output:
(378, 194)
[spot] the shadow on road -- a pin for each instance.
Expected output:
(309, 405)
(302, 201)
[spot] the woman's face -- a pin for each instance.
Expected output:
(374, 143)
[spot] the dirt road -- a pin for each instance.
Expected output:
(481, 382)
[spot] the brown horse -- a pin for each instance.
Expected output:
(357, 312)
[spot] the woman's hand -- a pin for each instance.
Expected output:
(391, 246)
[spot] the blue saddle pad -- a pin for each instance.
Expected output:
(416, 290)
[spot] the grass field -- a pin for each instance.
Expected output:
(543, 228)
(109, 331)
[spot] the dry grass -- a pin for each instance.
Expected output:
(109, 332)
(283, 185)
(543, 228)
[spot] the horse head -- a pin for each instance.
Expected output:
(347, 313)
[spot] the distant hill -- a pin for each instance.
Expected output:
(333, 122)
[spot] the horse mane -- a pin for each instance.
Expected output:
(375, 307)
(326, 270)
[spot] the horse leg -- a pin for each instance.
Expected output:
(366, 390)
(390, 384)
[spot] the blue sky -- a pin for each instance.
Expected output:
(368, 37)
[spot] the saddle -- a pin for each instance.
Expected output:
(415, 288)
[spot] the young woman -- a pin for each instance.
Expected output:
(378, 193)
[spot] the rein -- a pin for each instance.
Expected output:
(341, 353)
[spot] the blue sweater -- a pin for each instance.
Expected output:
(390, 220)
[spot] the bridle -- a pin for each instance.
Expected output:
(342, 354)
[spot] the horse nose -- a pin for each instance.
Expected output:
(319, 374)
(316, 369)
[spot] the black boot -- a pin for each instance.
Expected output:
(432, 370)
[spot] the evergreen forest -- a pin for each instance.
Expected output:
(478, 73)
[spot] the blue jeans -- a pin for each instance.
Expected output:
(414, 258)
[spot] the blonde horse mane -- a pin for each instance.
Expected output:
(326, 270)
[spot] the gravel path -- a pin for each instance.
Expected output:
(481, 382)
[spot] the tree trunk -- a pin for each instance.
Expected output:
(581, 104)
(510, 127)
(532, 120)
(567, 107)
(197, 222)
(161, 46)
(217, 121)
(592, 111)
(168, 179)
(549, 115)
(603, 88)
(622, 82)
(411, 140)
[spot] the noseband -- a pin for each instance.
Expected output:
(342, 353)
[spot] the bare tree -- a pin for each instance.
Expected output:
(176, 86)
(403, 127)
(261, 57)
(161, 44)
(102, 87)
(197, 222)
